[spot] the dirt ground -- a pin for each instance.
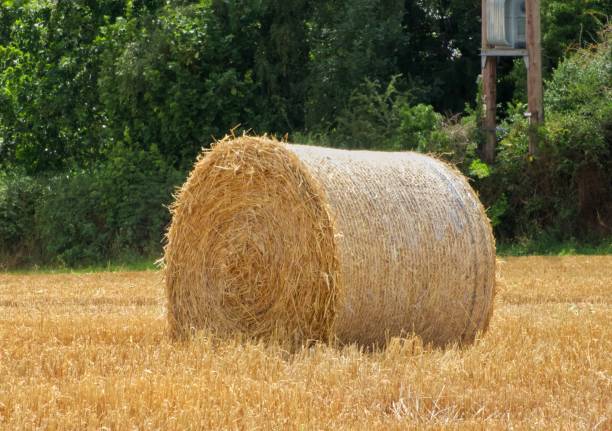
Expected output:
(89, 351)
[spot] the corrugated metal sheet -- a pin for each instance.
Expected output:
(496, 23)
(506, 23)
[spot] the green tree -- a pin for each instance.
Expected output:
(178, 78)
(442, 53)
(567, 25)
(48, 83)
(571, 24)
(433, 44)
(280, 62)
(351, 41)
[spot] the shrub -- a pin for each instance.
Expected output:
(380, 117)
(113, 211)
(19, 195)
(565, 191)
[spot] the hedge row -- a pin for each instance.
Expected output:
(113, 211)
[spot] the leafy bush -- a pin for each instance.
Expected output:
(115, 210)
(372, 117)
(19, 195)
(571, 23)
(565, 192)
(112, 211)
(383, 118)
(420, 129)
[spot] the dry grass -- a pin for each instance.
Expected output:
(90, 352)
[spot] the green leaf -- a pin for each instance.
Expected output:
(479, 169)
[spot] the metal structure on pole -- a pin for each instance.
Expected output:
(511, 28)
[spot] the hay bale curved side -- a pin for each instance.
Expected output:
(297, 243)
(415, 246)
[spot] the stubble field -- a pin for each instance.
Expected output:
(89, 351)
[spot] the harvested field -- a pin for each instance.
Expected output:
(90, 351)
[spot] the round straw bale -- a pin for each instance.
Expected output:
(298, 243)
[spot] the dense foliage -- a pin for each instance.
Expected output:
(567, 190)
(114, 210)
(104, 105)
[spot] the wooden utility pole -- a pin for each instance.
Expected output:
(489, 86)
(534, 73)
